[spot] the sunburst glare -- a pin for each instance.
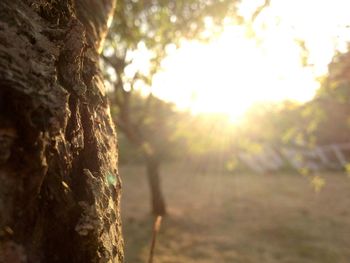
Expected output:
(237, 70)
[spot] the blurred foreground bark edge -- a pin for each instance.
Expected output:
(59, 183)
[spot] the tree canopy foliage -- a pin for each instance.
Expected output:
(152, 26)
(147, 29)
(328, 113)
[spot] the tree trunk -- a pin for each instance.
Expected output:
(157, 199)
(59, 183)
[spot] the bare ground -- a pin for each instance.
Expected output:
(220, 217)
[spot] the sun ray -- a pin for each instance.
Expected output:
(235, 71)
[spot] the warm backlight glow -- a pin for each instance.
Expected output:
(237, 69)
(232, 74)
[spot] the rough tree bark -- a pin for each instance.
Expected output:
(59, 183)
(157, 199)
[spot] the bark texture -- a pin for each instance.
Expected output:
(59, 183)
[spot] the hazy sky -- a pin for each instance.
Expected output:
(235, 71)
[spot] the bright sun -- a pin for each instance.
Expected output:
(231, 74)
(235, 71)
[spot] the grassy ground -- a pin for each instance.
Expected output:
(217, 217)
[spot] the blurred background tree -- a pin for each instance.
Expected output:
(328, 114)
(150, 28)
(143, 34)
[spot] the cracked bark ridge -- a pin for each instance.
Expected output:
(59, 183)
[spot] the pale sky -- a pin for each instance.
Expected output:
(233, 72)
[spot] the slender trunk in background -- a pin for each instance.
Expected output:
(157, 199)
(59, 183)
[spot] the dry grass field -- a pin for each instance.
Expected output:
(220, 217)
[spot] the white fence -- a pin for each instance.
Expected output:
(332, 156)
